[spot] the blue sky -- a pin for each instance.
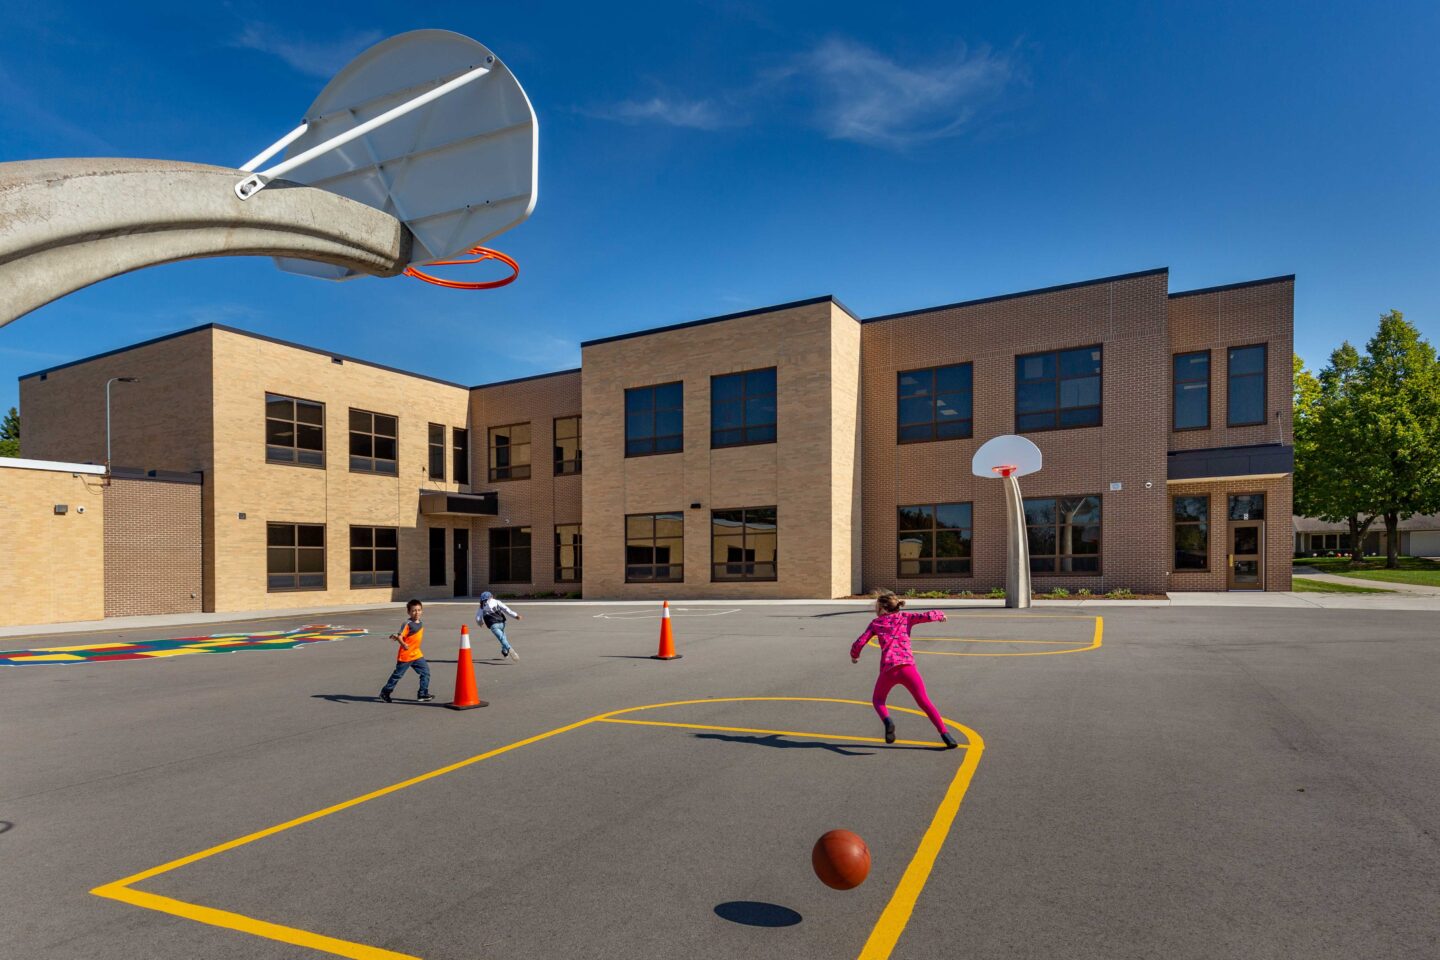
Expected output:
(699, 159)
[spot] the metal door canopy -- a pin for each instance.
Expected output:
(456, 171)
(1005, 451)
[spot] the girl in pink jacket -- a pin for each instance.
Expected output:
(891, 629)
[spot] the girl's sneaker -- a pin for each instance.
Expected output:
(889, 730)
(513, 655)
(950, 743)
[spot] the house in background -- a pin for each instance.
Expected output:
(1419, 537)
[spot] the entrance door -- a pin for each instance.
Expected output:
(1247, 555)
(462, 562)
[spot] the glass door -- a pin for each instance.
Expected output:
(1247, 555)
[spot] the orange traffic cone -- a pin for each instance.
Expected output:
(466, 696)
(667, 640)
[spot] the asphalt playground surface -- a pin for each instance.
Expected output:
(1205, 782)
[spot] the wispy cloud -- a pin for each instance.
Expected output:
(25, 103)
(677, 112)
(316, 58)
(545, 351)
(859, 94)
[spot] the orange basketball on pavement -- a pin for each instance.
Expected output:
(841, 860)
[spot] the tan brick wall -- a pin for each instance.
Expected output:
(543, 500)
(1237, 317)
(154, 561)
(1279, 532)
(246, 368)
(51, 566)
(811, 347)
(1127, 317)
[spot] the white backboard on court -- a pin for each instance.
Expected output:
(429, 126)
(1005, 456)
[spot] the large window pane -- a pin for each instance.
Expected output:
(510, 452)
(934, 540)
(654, 547)
(567, 446)
(436, 443)
(742, 408)
(1064, 534)
(294, 431)
(654, 420)
(510, 555)
(1058, 390)
(372, 443)
(934, 404)
(568, 553)
(1245, 395)
(374, 559)
(295, 556)
(743, 544)
(1191, 383)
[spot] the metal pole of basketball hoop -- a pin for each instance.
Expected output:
(256, 182)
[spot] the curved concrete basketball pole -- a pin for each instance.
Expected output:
(65, 224)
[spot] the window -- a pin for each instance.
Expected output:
(1245, 395)
(460, 450)
(1247, 506)
(374, 557)
(1190, 382)
(934, 404)
(742, 544)
(437, 556)
(567, 446)
(742, 408)
(510, 452)
(294, 556)
(372, 442)
(437, 451)
(655, 547)
(294, 431)
(1192, 533)
(654, 420)
(934, 540)
(1064, 534)
(1055, 391)
(567, 553)
(510, 555)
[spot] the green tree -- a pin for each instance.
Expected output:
(1398, 400)
(1332, 459)
(10, 434)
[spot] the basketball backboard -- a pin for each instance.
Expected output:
(1005, 456)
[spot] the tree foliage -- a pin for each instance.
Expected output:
(10, 434)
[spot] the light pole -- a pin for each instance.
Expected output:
(107, 415)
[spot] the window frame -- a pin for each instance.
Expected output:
(744, 539)
(374, 550)
(745, 426)
(295, 423)
(1264, 376)
(295, 548)
(1098, 406)
(1099, 553)
(558, 462)
(934, 396)
(511, 549)
(1175, 383)
(460, 455)
(492, 471)
(1176, 523)
(579, 547)
(680, 566)
(654, 410)
(351, 432)
(442, 568)
(435, 450)
(934, 531)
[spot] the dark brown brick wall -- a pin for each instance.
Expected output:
(1128, 317)
(153, 548)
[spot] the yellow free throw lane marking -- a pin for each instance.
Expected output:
(878, 947)
(774, 733)
(1095, 642)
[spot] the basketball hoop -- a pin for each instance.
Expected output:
(481, 255)
(1005, 470)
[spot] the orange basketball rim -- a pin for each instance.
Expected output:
(479, 255)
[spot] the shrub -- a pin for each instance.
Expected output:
(1060, 593)
(996, 593)
(1120, 593)
(1083, 592)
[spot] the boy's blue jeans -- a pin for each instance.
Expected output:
(499, 630)
(421, 667)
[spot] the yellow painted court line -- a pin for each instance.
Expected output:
(881, 942)
(774, 733)
(981, 640)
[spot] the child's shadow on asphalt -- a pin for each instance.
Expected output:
(351, 698)
(775, 740)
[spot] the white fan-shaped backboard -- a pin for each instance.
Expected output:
(1005, 451)
(456, 171)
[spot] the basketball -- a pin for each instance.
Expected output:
(841, 860)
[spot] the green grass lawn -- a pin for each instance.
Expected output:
(1305, 585)
(1416, 570)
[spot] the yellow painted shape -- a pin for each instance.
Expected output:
(775, 733)
(45, 657)
(219, 643)
(1095, 642)
(183, 651)
(85, 646)
(879, 946)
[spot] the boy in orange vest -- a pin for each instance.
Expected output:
(410, 655)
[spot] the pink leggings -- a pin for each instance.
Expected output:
(908, 677)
